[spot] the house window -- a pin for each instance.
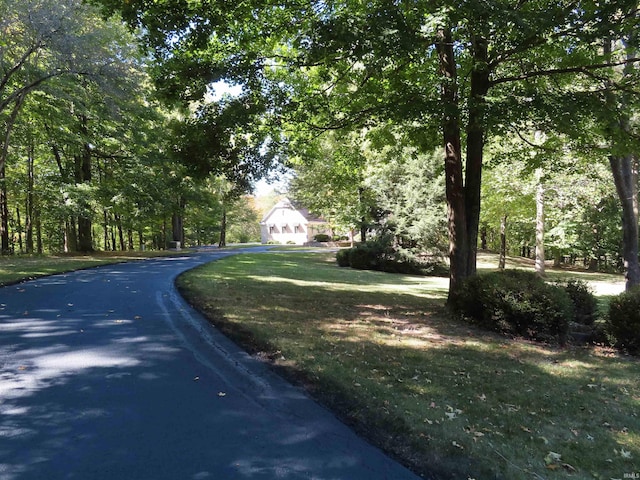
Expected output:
(272, 229)
(297, 229)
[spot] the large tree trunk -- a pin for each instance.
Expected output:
(83, 175)
(454, 186)
(625, 176)
(463, 193)
(475, 146)
(70, 235)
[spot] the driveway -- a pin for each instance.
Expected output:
(107, 373)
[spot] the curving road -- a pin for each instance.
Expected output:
(108, 374)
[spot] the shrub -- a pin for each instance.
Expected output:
(321, 237)
(379, 254)
(342, 257)
(516, 302)
(624, 320)
(366, 256)
(584, 302)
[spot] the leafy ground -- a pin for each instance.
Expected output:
(445, 398)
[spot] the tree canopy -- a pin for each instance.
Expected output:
(467, 70)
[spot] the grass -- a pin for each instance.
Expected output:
(443, 397)
(17, 268)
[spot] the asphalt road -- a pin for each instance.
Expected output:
(107, 373)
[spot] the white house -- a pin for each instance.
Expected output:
(288, 223)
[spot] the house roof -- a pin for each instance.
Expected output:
(288, 204)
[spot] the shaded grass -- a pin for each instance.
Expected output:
(445, 398)
(17, 268)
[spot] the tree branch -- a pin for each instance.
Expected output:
(561, 71)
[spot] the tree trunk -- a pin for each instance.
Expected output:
(38, 223)
(475, 146)
(223, 227)
(557, 258)
(19, 230)
(105, 230)
(483, 237)
(503, 242)
(177, 222)
(540, 259)
(120, 232)
(83, 175)
(363, 219)
(70, 235)
(454, 187)
(5, 247)
(625, 176)
(30, 200)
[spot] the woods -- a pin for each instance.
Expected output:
(128, 126)
(90, 156)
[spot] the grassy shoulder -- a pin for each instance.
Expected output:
(17, 268)
(443, 397)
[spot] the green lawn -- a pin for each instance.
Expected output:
(16, 268)
(437, 393)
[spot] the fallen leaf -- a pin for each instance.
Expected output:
(552, 458)
(625, 454)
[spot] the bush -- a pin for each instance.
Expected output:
(380, 255)
(366, 256)
(321, 237)
(516, 302)
(624, 321)
(342, 257)
(584, 302)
